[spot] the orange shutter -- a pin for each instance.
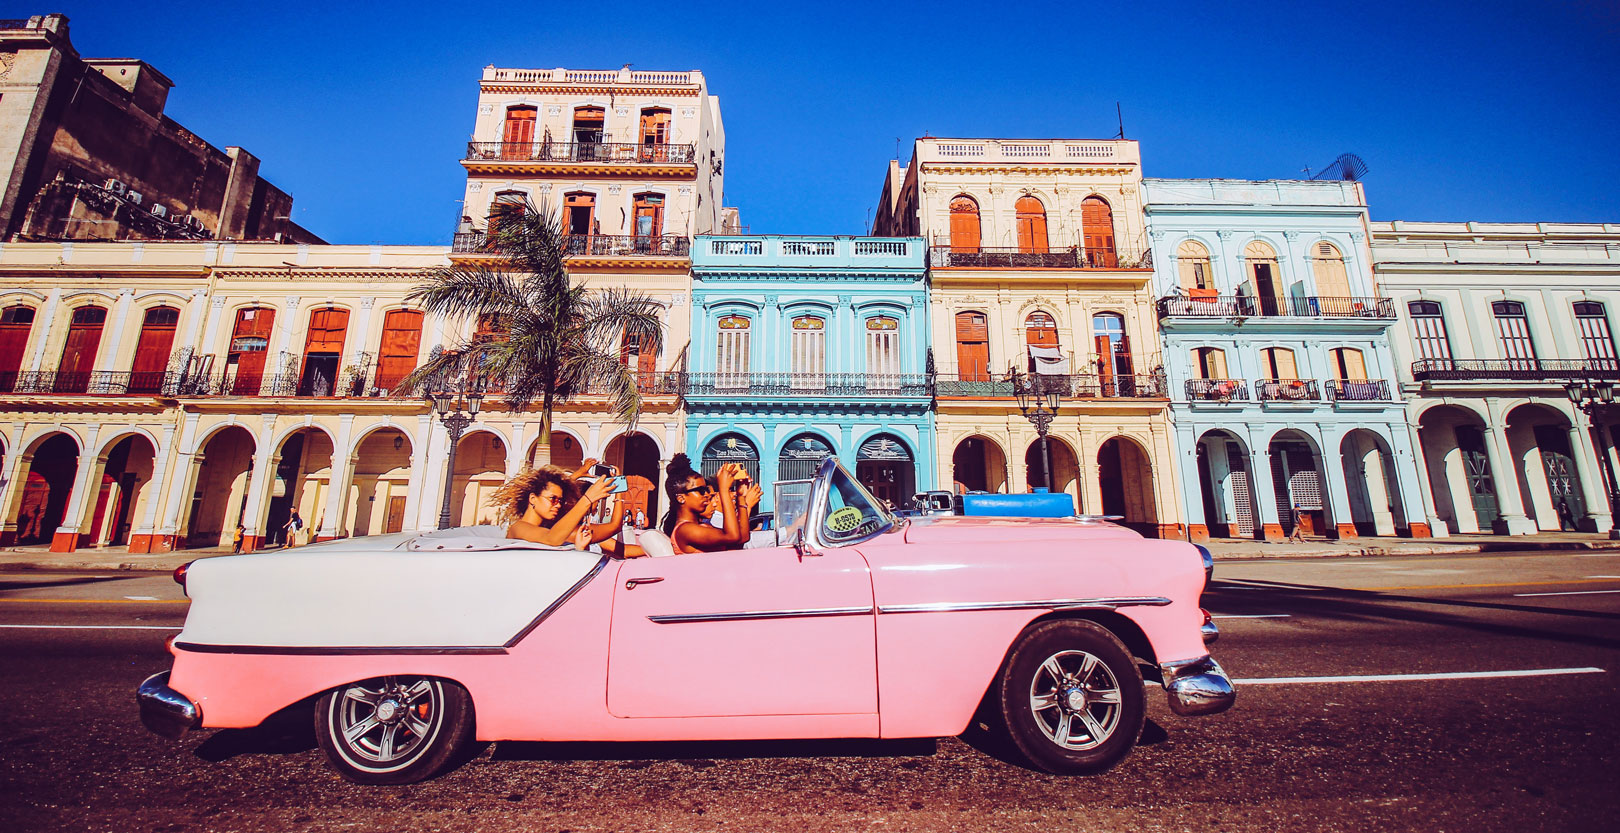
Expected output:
(517, 139)
(964, 225)
(256, 323)
(1031, 225)
(972, 346)
(152, 350)
(327, 328)
(401, 340)
(1097, 229)
(79, 353)
(1040, 330)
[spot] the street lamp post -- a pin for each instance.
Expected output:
(457, 409)
(1592, 398)
(1038, 401)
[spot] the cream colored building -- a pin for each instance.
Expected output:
(1038, 257)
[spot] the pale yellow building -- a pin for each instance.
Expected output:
(1038, 262)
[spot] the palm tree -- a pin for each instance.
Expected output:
(558, 339)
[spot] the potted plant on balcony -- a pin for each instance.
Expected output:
(559, 338)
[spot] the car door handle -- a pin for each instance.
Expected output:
(631, 584)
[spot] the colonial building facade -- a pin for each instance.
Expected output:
(805, 347)
(1497, 319)
(1038, 263)
(1278, 351)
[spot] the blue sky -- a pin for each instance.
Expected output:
(1463, 111)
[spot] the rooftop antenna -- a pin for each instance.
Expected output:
(1121, 115)
(1348, 167)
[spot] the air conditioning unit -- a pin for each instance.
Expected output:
(192, 221)
(160, 211)
(116, 186)
(134, 197)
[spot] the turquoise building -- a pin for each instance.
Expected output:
(1277, 344)
(808, 346)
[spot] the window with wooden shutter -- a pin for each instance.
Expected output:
(1209, 362)
(250, 339)
(731, 352)
(580, 208)
(401, 342)
(883, 352)
(1328, 267)
(507, 207)
(517, 135)
(973, 346)
(1113, 348)
(635, 353)
(655, 134)
(1031, 217)
(1429, 331)
(1513, 333)
(1040, 330)
(1192, 265)
(79, 351)
(152, 349)
(808, 352)
(1597, 343)
(588, 124)
(1279, 363)
(323, 351)
(15, 325)
(649, 218)
(964, 224)
(1349, 364)
(1097, 232)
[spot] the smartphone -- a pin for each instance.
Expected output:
(620, 484)
(602, 470)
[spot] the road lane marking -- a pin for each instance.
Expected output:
(1603, 576)
(95, 601)
(1569, 593)
(1387, 678)
(1328, 588)
(97, 627)
(142, 598)
(1250, 615)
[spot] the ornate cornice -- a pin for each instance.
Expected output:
(1042, 170)
(579, 90)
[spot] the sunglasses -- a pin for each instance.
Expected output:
(702, 490)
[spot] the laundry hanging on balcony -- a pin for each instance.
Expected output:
(1048, 361)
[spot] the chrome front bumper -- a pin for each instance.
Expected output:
(1197, 686)
(165, 711)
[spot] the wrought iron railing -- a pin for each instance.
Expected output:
(789, 385)
(1249, 306)
(1015, 257)
(1551, 371)
(1070, 386)
(1287, 390)
(91, 382)
(1358, 390)
(629, 153)
(1217, 390)
(590, 245)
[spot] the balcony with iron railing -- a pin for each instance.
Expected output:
(1217, 390)
(1358, 390)
(807, 385)
(1251, 306)
(943, 255)
(1069, 386)
(1287, 390)
(589, 245)
(1544, 371)
(91, 382)
(582, 153)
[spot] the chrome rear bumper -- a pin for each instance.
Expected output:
(1197, 686)
(165, 711)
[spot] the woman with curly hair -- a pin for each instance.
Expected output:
(548, 506)
(693, 501)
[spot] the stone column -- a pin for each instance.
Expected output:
(1336, 487)
(1264, 487)
(340, 476)
(186, 463)
(144, 538)
(45, 323)
(16, 471)
(1431, 525)
(1598, 517)
(265, 459)
(111, 349)
(1511, 519)
(86, 479)
(417, 483)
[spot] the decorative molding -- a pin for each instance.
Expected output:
(293, 301)
(485, 109)
(475, 187)
(688, 112)
(1291, 235)
(621, 110)
(553, 109)
(615, 190)
(1225, 234)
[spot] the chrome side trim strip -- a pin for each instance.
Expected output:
(337, 650)
(744, 615)
(1106, 603)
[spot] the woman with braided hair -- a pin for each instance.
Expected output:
(693, 501)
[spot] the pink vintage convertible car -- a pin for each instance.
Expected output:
(416, 649)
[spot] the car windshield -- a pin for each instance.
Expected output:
(852, 513)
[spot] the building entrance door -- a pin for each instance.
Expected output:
(1562, 483)
(1481, 485)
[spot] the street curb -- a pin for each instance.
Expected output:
(1432, 549)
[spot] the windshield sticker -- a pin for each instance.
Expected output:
(846, 519)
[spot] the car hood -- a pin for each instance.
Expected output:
(955, 529)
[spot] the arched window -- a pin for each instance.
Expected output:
(649, 221)
(883, 352)
(640, 355)
(1332, 282)
(517, 134)
(323, 351)
(1031, 225)
(655, 134)
(972, 346)
(1513, 333)
(1114, 365)
(15, 324)
(79, 351)
(580, 210)
(1040, 330)
(1209, 362)
(808, 352)
(250, 339)
(1596, 341)
(152, 349)
(506, 207)
(1192, 264)
(964, 224)
(1429, 331)
(1348, 364)
(1097, 232)
(731, 352)
(588, 124)
(401, 341)
(1260, 261)
(492, 329)
(1278, 364)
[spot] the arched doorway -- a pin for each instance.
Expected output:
(978, 465)
(1549, 478)
(379, 491)
(566, 451)
(1062, 472)
(480, 470)
(1125, 478)
(220, 496)
(1459, 467)
(1298, 482)
(301, 479)
(124, 491)
(635, 455)
(1371, 486)
(46, 488)
(1226, 486)
(801, 456)
(885, 466)
(730, 448)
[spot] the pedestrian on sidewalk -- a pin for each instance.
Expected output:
(236, 538)
(293, 526)
(1298, 535)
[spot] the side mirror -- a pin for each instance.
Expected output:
(802, 545)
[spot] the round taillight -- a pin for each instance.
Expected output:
(180, 574)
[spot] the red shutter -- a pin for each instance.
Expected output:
(152, 350)
(1097, 229)
(256, 323)
(964, 225)
(517, 139)
(401, 341)
(1040, 330)
(1105, 361)
(13, 343)
(327, 328)
(79, 353)
(972, 347)
(1031, 225)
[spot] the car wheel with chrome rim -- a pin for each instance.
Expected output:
(1071, 697)
(396, 729)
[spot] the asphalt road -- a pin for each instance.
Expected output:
(1419, 750)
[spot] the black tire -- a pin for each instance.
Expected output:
(1093, 691)
(395, 730)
